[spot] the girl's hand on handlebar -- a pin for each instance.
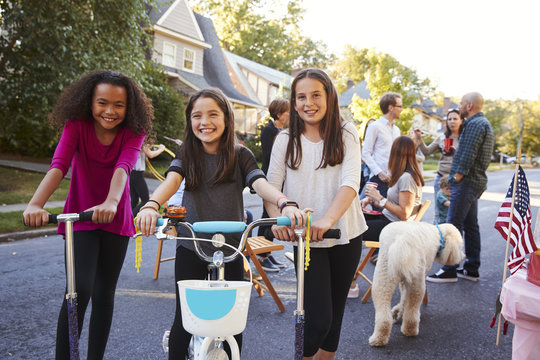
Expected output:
(283, 233)
(103, 213)
(35, 216)
(297, 216)
(318, 228)
(147, 220)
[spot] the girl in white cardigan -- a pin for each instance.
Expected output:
(317, 162)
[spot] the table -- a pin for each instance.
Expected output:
(521, 306)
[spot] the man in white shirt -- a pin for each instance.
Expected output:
(379, 138)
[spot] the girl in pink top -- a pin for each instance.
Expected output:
(104, 116)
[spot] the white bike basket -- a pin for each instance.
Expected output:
(214, 308)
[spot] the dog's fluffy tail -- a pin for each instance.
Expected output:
(402, 262)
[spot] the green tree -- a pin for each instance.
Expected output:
(265, 32)
(506, 118)
(382, 73)
(45, 45)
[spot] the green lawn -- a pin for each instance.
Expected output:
(13, 221)
(18, 186)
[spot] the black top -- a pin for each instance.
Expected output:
(268, 134)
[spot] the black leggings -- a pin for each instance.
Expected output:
(189, 266)
(138, 189)
(98, 257)
(326, 285)
(375, 225)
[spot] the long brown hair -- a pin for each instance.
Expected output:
(192, 151)
(330, 128)
(403, 159)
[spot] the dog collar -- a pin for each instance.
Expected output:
(442, 242)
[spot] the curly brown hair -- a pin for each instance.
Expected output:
(75, 102)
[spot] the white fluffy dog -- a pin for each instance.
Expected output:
(407, 251)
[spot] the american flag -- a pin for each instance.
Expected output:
(521, 238)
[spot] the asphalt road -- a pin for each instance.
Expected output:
(454, 325)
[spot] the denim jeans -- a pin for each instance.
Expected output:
(435, 191)
(381, 186)
(463, 214)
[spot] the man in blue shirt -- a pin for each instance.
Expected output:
(468, 180)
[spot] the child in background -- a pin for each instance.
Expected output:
(215, 173)
(317, 161)
(104, 116)
(443, 199)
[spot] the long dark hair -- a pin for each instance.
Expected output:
(192, 151)
(75, 102)
(403, 159)
(447, 131)
(330, 128)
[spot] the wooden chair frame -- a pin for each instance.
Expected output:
(259, 245)
(372, 245)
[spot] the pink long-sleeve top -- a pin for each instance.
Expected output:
(92, 167)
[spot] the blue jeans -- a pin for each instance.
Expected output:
(463, 214)
(435, 191)
(381, 186)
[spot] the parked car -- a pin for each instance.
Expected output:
(536, 160)
(496, 157)
(512, 160)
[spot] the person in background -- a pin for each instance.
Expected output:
(452, 131)
(468, 180)
(138, 188)
(443, 199)
(365, 168)
(279, 110)
(379, 138)
(404, 194)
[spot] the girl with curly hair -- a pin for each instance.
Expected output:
(105, 117)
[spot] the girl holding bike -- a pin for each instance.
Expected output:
(216, 171)
(317, 160)
(104, 116)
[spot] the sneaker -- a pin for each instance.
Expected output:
(268, 265)
(275, 262)
(289, 256)
(442, 277)
(354, 292)
(471, 275)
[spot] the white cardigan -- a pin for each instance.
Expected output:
(316, 188)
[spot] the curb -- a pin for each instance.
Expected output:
(22, 235)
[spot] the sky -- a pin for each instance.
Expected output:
(489, 46)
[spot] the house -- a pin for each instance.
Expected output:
(259, 82)
(345, 99)
(187, 46)
(429, 117)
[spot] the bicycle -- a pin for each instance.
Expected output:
(216, 326)
(227, 315)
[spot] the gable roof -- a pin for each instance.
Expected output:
(360, 89)
(177, 17)
(271, 75)
(215, 69)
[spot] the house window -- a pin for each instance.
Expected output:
(169, 54)
(189, 59)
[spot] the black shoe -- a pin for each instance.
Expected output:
(471, 275)
(267, 265)
(442, 276)
(275, 262)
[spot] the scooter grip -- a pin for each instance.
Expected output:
(86, 216)
(52, 219)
